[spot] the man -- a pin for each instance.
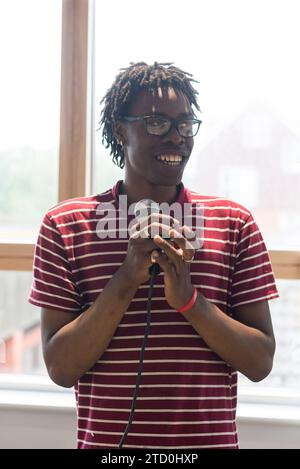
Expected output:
(210, 314)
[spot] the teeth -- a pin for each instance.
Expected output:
(170, 158)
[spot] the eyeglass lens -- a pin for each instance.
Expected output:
(161, 126)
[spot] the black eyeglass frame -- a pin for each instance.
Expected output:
(173, 122)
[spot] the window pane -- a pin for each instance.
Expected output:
(285, 313)
(249, 144)
(30, 43)
(20, 338)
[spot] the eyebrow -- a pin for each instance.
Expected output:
(182, 114)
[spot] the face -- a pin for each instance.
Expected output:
(143, 151)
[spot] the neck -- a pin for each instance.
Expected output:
(154, 192)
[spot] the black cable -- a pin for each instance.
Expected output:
(154, 270)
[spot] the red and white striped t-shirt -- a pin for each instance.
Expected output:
(188, 394)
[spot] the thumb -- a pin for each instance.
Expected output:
(163, 262)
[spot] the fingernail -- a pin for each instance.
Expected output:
(154, 256)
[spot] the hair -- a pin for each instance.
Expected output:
(138, 76)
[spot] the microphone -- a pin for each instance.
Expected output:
(144, 208)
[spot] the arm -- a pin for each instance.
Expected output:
(246, 342)
(72, 343)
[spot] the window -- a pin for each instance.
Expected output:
(285, 315)
(249, 115)
(247, 147)
(30, 49)
(249, 121)
(239, 183)
(29, 94)
(290, 156)
(20, 326)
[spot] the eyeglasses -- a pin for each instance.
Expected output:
(158, 125)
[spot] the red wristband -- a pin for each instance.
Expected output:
(190, 303)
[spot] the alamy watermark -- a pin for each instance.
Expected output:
(148, 216)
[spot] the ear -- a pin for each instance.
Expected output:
(118, 130)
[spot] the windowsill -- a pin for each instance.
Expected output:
(37, 400)
(65, 401)
(266, 404)
(36, 393)
(268, 413)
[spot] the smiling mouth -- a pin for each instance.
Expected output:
(170, 160)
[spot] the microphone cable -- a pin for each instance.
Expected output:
(154, 270)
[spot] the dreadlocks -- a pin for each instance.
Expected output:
(130, 80)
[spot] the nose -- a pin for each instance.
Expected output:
(173, 136)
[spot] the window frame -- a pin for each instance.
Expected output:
(74, 135)
(76, 142)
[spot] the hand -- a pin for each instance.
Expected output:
(178, 286)
(138, 258)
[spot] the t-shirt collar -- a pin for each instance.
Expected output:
(183, 195)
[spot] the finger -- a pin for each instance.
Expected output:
(149, 231)
(164, 219)
(186, 232)
(139, 234)
(142, 244)
(187, 238)
(175, 255)
(187, 253)
(163, 262)
(160, 229)
(178, 237)
(157, 218)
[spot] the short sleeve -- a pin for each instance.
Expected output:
(53, 284)
(253, 277)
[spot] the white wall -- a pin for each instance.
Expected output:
(39, 428)
(268, 434)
